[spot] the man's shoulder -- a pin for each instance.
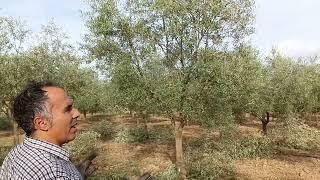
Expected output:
(25, 154)
(29, 163)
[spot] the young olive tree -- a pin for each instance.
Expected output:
(285, 86)
(154, 49)
(51, 58)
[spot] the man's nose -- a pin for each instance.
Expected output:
(76, 113)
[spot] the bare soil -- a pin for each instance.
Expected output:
(281, 167)
(154, 157)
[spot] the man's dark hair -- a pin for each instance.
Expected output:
(30, 103)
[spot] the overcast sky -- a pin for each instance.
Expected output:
(288, 25)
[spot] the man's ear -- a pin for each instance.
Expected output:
(41, 123)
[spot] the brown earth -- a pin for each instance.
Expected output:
(281, 167)
(154, 157)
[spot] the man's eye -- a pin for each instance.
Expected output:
(68, 109)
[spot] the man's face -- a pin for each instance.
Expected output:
(64, 116)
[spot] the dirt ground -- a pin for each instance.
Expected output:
(155, 156)
(281, 167)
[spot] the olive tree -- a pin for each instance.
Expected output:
(155, 49)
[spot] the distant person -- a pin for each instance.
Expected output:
(45, 112)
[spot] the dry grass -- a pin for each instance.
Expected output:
(281, 167)
(144, 157)
(136, 158)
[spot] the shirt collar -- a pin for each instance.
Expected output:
(48, 147)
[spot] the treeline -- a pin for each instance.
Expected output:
(190, 61)
(49, 55)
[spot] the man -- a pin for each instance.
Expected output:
(44, 111)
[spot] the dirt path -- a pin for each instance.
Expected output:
(136, 158)
(154, 157)
(281, 167)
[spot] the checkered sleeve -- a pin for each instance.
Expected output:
(6, 170)
(36, 159)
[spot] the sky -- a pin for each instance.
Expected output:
(65, 13)
(287, 25)
(291, 26)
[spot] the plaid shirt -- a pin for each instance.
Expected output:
(36, 159)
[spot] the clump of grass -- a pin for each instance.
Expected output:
(294, 133)
(4, 150)
(121, 170)
(170, 173)
(131, 135)
(204, 160)
(248, 147)
(84, 145)
(207, 164)
(6, 123)
(113, 176)
(105, 128)
(161, 134)
(141, 134)
(209, 159)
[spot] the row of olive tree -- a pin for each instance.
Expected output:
(26, 57)
(189, 60)
(288, 86)
(172, 57)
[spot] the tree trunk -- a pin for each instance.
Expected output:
(15, 131)
(145, 117)
(172, 121)
(265, 122)
(182, 173)
(141, 114)
(264, 128)
(85, 114)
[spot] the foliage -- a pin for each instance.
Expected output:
(170, 173)
(210, 159)
(294, 133)
(156, 52)
(6, 123)
(121, 170)
(85, 144)
(141, 134)
(105, 128)
(207, 164)
(205, 159)
(91, 97)
(286, 85)
(4, 150)
(50, 56)
(130, 135)
(113, 176)
(123, 136)
(248, 147)
(161, 134)
(153, 50)
(13, 35)
(169, 57)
